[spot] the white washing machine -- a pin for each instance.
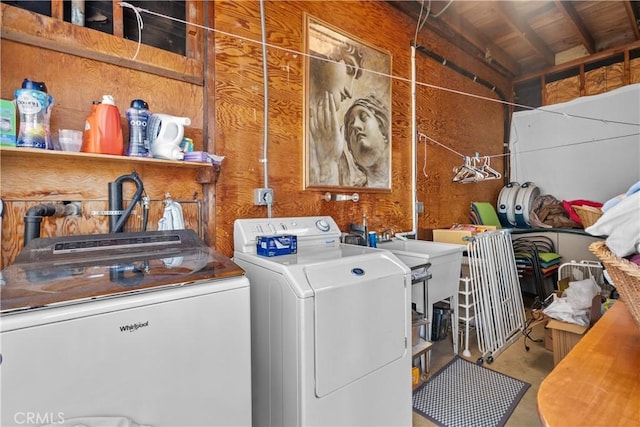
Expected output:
(330, 328)
(124, 329)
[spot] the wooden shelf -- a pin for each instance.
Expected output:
(53, 154)
(421, 346)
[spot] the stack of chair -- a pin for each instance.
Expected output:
(536, 258)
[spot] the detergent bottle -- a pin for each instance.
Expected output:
(138, 118)
(34, 105)
(103, 130)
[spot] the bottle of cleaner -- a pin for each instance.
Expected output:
(138, 118)
(34, 105)
(102, 130)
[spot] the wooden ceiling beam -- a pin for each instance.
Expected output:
(524, 31)
(576, 63)
(633, 21)
(492, 52)
(478, 50)
(569, 12)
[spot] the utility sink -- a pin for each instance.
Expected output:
(446, 263)
(417, 249)
(445, 259)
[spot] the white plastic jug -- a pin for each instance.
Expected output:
(165, 133)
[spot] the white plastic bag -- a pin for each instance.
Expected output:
(560, 309)
(580, 294)
(575, 304)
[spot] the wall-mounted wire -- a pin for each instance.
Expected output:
(140, 25)
(374, 72)
(478, 167)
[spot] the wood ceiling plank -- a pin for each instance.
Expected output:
(570, 14)
(526, 33)
(607, 21)
(444, 30)
(492, 51)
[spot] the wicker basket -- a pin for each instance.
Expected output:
(588, 214)
(625, 276)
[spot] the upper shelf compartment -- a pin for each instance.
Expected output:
(34, 29)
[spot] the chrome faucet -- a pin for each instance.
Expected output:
(388, 234)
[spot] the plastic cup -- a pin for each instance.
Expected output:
(70, 140)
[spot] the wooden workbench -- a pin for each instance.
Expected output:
(598, 382)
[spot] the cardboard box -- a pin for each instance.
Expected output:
(456, 235)
(564, 337)
(548, 339)
(282, 244)
(560, 337)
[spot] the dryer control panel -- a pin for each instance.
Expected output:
(311, 231)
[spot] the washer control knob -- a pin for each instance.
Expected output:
(323, 225)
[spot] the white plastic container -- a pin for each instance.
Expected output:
(70, 140)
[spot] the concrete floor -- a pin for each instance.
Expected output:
(530, 366)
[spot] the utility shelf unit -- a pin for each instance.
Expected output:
(420, 275)
(467, 309)
(32, 176)
(204, 173)
(56, 154)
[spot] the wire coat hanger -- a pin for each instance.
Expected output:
(468, 172)
(491, 172)
(475, 169)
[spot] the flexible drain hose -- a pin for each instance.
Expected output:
(117, 220)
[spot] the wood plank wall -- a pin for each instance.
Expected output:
(593, 82)
(601, 72)
(465, 124)
(228, 106)
(79, 66)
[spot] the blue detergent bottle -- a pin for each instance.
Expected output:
(138, 118)
(34, 107)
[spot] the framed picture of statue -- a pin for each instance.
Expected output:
(347, 111)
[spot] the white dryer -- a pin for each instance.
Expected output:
(330, 328)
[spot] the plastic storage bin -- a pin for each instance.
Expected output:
(441, 321)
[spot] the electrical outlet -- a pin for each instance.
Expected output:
(262, 195)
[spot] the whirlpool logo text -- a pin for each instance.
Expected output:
(134, 326)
